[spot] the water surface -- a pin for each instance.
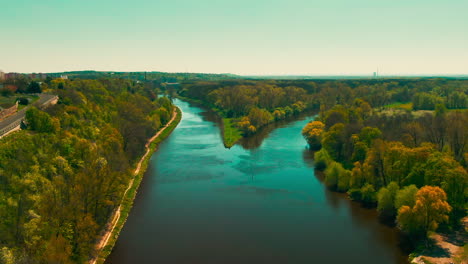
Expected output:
(258, 202)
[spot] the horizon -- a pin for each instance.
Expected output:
(255, 75)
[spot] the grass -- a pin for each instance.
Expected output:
(231, 134)
(406, 106)
(127, 201)
(12, 99)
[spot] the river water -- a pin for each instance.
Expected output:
(258, 202)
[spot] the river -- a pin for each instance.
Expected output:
(258, 202)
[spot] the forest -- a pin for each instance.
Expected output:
(63, 176)
(250, 104)
(402, 147)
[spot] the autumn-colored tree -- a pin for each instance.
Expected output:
(443, 170)
(312, 132)
(430, 209)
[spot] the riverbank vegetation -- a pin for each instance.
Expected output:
(412, 167)
(246, 106)
(129, 197)
(64, 176)
(251, 104)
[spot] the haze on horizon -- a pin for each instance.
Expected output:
(274, 37)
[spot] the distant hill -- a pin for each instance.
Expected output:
(349, 77)
(151, 76)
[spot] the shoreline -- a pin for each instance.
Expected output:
(117, 220)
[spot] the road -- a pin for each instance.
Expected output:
(14, 120)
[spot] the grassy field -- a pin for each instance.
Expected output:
(130, 195)
(231, 134)
(406, 106)
(12, 99)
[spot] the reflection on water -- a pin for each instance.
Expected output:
(258, 202)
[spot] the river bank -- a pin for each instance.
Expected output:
(106, 243)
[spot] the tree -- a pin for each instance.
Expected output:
(368, 194)
(7, 256)
(39, 121)
(386, 199)
(430, 209)
(368, 134)
(406, 196)
(344, 179)
(259, 117)
(58, 250)
(332, 173)
(312, 132)
(34, 87)
(23, 101)
(333, 141)
(322, 159)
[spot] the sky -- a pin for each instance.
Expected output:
(247, 37)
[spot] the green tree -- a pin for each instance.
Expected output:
(406, 196)
(39, 121)
(333, 141)
(34, 87)
(368, 194)
(322, 159)
(386, 199)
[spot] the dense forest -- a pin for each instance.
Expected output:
(62, 177)
(379, 144)
(251, 104)
(157, 77)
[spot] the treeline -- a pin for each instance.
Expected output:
(254, 103)
(412, 166)
(145, 76)
(61, 178)
(251, 104)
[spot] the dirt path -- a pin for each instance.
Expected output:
(451, 246)
(105, 238)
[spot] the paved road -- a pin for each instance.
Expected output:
(14, 120)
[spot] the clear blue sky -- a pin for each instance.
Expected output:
(239, 36)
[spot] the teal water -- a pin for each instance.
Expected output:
(258, 202)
